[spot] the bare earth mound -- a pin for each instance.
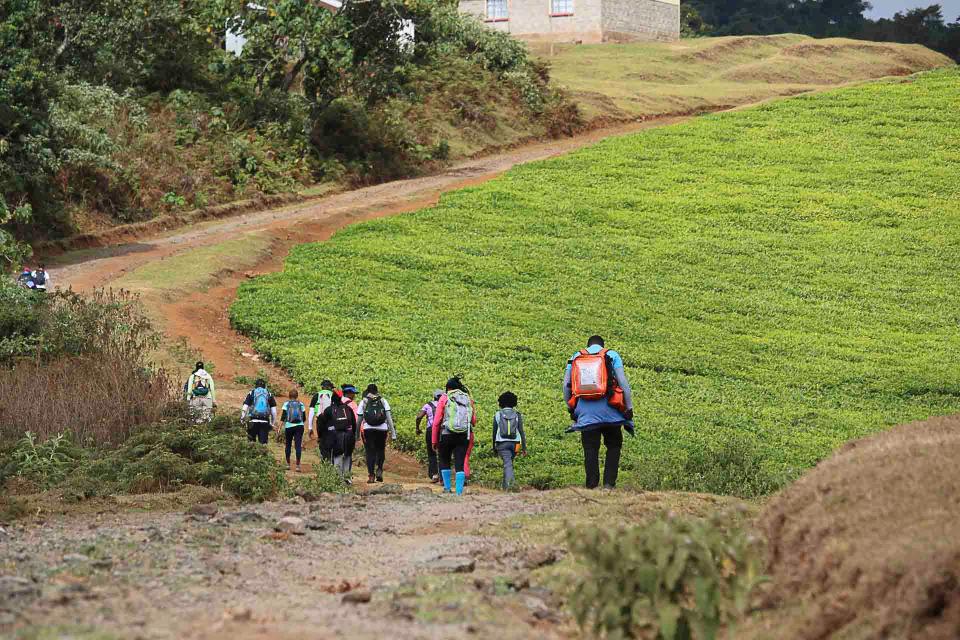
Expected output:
(643, 80)
(866, 545)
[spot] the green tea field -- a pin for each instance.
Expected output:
(778, 280)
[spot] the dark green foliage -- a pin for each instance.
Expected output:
(673, 579)
(166, 456)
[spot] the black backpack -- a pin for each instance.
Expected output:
(374, 413)
(341, 418)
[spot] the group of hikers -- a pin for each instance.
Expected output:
(37, 280)
(596, 393)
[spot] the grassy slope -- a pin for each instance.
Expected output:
(785, 273)
(650, 79)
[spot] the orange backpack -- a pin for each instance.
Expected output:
(590, 380)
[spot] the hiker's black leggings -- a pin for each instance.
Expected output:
(258, 431)
(453, 445)
(431, 454)
(294, 435)
(376, 449)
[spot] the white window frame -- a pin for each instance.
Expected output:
(497, 10)
(561, 7)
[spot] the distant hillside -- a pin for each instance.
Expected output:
(623, 81)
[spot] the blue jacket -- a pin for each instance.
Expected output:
(594, 414)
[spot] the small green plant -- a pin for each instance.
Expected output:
(325, 479)
(45, 463)
(172, 199)
(672, 579)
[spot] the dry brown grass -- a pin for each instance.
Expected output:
(97, 399)
(866, 545)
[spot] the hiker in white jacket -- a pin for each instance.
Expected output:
(200, 393)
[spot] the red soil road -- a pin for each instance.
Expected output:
(201, 317)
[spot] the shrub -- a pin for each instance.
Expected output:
(325, 479)
(733, 464)
(673, 578)
(166, 456)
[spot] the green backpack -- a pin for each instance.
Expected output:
(458, 414)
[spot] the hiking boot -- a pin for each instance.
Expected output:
(380, 477)
(299, 470)
(371, 480)
(434, 479)
(608, 487)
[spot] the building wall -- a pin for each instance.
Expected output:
(592, 20)
(531, 20)
(641, 20)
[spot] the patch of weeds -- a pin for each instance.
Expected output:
(12, 508)
(45, 464)
(674, 578)
(167, 456)
(325, 479)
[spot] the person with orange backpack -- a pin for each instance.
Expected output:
(600, 402)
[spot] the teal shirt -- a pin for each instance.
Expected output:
(283, 415)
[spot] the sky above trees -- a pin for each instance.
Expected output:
(886, 8)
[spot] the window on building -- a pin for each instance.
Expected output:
(561, 7)
(496, 9)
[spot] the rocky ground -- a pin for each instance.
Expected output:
(392, 563)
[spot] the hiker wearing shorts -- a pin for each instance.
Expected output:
(375, 421)
(453, 424)
(260, 408)
(291, 415)
(200, 394)
(600, 402)
(508, 436)
(319, 404)
(427, 411)
(342, 421)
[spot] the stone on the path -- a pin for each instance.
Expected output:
(455, 564)
(75, 557)
(241, 614)
(541, 557)
(203, 510)
(357, 596)
(291, 524)
(15, 587)
(316, 524)
(102, 564)
(243, 516)
(391, 488)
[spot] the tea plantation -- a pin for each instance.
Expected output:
(778, 280)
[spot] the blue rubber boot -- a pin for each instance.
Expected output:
(445, 474)
(461, 476)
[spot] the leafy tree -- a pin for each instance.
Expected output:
(28, 156)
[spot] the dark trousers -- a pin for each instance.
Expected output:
(294, 435)
(432, 469)
(325, 443)
(375, 443)
(613, 440)
(453, 445)
(258, 431)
